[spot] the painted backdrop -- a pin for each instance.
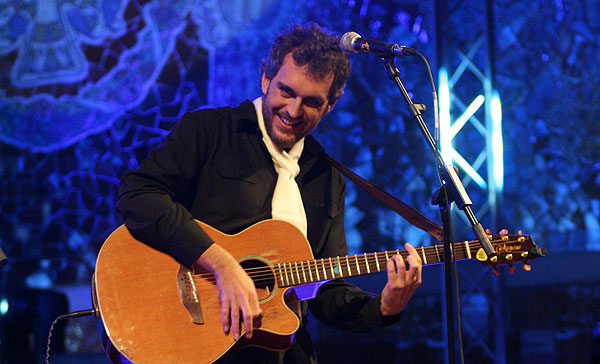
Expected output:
(88, 88)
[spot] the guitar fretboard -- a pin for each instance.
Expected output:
(309, 271)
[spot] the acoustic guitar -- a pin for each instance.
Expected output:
(154, 310)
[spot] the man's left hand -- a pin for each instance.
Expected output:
(404, 276)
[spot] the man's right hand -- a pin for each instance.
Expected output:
(236, 290)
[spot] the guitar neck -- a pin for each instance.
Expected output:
(310, 271)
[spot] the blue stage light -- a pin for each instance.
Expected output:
(4, 306)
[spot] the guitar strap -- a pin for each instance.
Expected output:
(409, 213)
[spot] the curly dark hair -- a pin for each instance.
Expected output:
(310, 45)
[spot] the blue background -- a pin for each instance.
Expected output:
(88, 88)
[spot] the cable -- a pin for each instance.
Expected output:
(62, 317)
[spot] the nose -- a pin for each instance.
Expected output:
(294, 108)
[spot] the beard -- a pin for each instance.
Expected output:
(282, 140)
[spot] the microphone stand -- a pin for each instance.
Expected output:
(451, 189)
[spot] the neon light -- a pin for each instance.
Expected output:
(462, 163)
(497, 142)
(3, 306)
(444, 97)
(447, 131)
(462, 120)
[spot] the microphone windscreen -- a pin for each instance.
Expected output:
(347, 41)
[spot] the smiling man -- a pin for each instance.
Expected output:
(234, 167)
(294, 102)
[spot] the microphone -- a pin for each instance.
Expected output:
(353, 42)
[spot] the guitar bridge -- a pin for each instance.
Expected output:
(189, 295)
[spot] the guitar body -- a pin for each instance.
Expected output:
(139, 298)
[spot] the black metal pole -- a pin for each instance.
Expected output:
(451, 190)
(441, 199)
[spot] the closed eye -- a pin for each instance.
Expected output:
(313, 102)
(310, 101)
(286, 91)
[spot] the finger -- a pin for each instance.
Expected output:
(414, 255)
(398, 277)
(235, 320)
(413, 274)
(412, 251)
(503, 231)
(399, 264)
(252, 313)
(225, 308)
(248, 320)
(392, 271)
(257, 311)
(415, 264)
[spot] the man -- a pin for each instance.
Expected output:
(233, 167)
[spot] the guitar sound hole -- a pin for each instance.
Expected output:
(262, 275)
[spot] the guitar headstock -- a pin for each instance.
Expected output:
(510, 249)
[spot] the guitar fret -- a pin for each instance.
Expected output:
(457, 248)
(468, 249)
(357, 266)
(324, 269)
(287, 279)
(292, 273)
(386, 256)
(348, 266)
(423, 254)
(317, 270)
(367, 261)
(377, 263)
(438, 253)
(280, 274)
(340, 267)
(297, 271)
(310, 272)
(331, 267)
(303, 273)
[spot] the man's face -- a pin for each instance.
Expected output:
(293, 102)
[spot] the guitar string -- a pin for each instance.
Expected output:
(262, 274)
(266, 273)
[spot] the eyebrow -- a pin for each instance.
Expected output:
(312, 98)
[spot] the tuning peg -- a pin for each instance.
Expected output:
(526, 267)
(511, 269)
(496, 271)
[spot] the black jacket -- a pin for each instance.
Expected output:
(214, 167)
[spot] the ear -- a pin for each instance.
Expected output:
(330, 106)
(264, 83)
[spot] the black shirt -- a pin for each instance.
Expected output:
(214, 167)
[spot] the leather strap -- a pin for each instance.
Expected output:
(409, 213)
